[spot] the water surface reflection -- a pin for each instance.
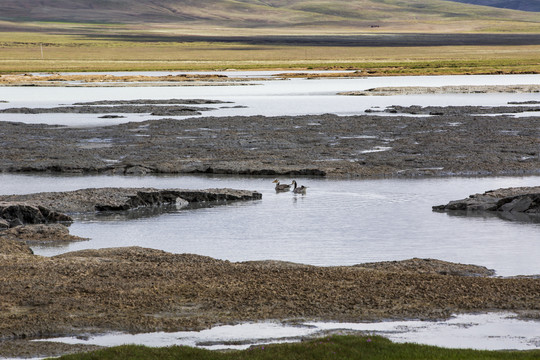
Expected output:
(338, 222)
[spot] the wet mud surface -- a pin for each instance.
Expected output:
(440, 141)
(142, 290)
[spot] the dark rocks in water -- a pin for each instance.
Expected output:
(155, 102)
(112, 117)
(518, 200)
(17, 213)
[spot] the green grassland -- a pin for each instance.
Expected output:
(150, 35)
(333, 347)
(44, 52)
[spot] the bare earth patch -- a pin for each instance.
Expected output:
(142, 290)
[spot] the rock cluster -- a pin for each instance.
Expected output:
(518, 200)
(18, 213)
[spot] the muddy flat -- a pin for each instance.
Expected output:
(399, 141)
(142, 290)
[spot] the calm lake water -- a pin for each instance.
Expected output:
(338, 222)
(494, 331)
(266, 97)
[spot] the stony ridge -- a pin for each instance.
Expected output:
(15, 213)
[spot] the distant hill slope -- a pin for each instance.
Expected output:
(523, 5)
(254, 12)
(263, 13)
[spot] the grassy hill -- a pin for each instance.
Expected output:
(431, 15)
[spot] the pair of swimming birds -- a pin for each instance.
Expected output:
(286, 187)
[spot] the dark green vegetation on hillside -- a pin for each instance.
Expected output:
(333, 347)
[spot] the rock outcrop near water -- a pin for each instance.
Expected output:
(19, 213)
(121, 199)
(518, 200)
(28, 218)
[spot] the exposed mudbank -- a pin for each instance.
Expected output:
(33, 218)
(101, 80)
(449, 89)
(121, 199)
(141, 290)
(513, 200)
(449, 141)
(156, 110)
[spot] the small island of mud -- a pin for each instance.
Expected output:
(410, 142)
(42, 217)
(449, 89)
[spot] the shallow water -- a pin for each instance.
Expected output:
(494, 331)
(338, 222)
(268, 97)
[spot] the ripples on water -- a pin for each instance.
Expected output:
(338, 222)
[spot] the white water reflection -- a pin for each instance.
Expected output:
(267, 97)
(338, 222)
(493, 331)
